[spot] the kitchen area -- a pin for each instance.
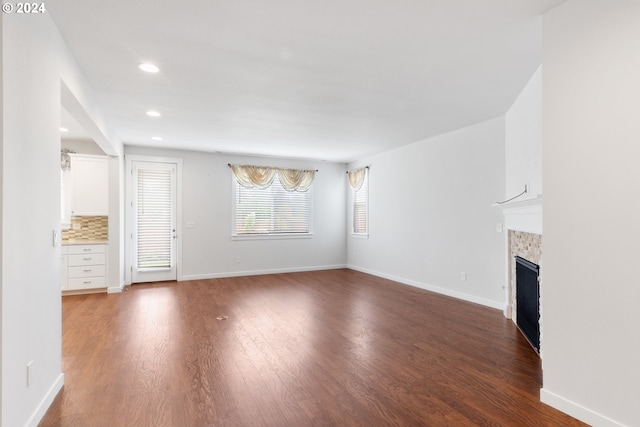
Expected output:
(84, 173)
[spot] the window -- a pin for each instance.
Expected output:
(272, 210)
(360, 197)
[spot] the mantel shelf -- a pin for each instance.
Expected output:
(523, 215)
(532, 201)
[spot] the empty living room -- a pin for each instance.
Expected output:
(362, 213)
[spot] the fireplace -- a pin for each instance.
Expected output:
(528, 300)
(523, 221)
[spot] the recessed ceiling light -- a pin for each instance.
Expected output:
(156, 138)
(153, 114)
(149, 68)
(64, 129)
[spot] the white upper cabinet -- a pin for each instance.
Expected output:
(88, 186)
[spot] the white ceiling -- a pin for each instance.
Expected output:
(332, 80)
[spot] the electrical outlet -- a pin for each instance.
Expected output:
(237, 259)
(463, 276)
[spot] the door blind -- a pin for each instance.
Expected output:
(154, 218)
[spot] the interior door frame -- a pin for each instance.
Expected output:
(129, 251)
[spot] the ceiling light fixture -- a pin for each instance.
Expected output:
(153, 114)
(156, 138)
(149, 68)
(64, 129)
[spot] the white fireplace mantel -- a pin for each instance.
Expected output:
(523, 215)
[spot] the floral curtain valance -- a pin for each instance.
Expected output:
(253, 176)
(262, 177)
(356, 177)
(296, 180)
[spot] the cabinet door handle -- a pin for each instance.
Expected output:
(87, 282)
(87, 259)
(87, 270)
(87, 249)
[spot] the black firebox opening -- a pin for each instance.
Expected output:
(528, 300)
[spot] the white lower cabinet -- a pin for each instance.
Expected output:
(86, 267)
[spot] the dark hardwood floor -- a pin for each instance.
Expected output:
(327, 348)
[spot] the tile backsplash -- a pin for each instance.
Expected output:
(87, 228)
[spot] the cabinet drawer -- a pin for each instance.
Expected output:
(87, 271)
(86, 283)
(86, 259)
(86, 249)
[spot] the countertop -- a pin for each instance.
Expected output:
(71, 242)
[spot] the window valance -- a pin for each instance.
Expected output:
(356, 177)
(261, 177)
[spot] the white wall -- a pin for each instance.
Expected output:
(1, 199)
(523, 132)
(82, 146)
(115, 259)
(35, 63)
(207, 249)
(31, 198)
(431, 216)
(591, 176)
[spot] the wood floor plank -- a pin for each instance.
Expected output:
(326, 348)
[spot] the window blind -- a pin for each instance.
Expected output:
(271, 210)
(154, 218)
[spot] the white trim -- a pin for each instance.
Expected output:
(282, 236)
(89, 156)
(576, 410)
(260, 272)
(116, 289)
(507, 279)
(523, 215)
(152, 159)
(359, 235)
(499, 305)
(46, 402)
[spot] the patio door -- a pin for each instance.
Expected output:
(153, 234)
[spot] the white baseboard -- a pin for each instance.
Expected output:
(116, 289)
(258, 272)
(44, 404)
(448, 292)
(576, 410)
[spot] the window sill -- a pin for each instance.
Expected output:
(359, 236)
(271, 236)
